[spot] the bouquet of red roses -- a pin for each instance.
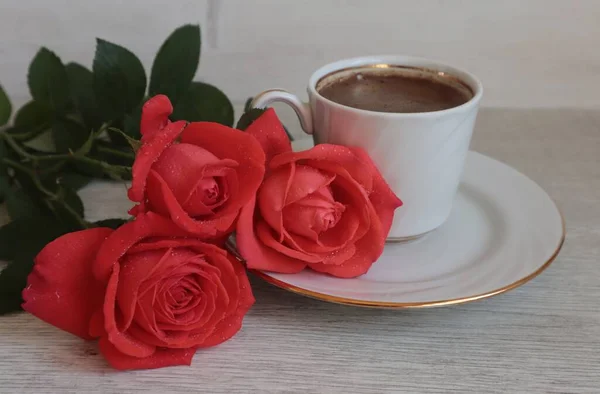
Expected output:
(163, 285)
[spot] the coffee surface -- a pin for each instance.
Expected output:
(394, 90)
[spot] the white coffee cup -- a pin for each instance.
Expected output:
(421, 155)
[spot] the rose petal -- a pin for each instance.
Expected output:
(147, 154)
(61, 289)
(340, 256)
(138, 268)
(190, 308)
(227, 143)
(169, 266)
(96, 327)
(205, 327)
(138, 209)
(195, 303)
(145, 320)
(155, 187)
(328, 255)
(265, 236)
(368, 250)
(183, 166)
(145, 225)
(341, 156)
(306, 181)
(155, 115)
(272, 194)
(313, 215)
(194, 244)
(159, 359)
(257, 255)
(232, 323)
(183, 333)
(342, 234)
(210, 227)
(350, 193)
(382, 197)
(271, 135)
(226, 184)
(121, 340)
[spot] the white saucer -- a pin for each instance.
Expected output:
(503, 231)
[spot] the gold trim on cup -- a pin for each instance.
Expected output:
(381, 66)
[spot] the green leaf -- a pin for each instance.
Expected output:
(131, 122)
(119, 79)
(4, 185)
(73, 180)
(248, 117)
(4, 178)
(68, 210)
(87, 146)
(24, 181)
(3, 153)
(33, 119)
(133, 143)
(72, 199)
(10, 240)
(113, 154)
(102, 169)
(176, 63)
(5, 107)
(27, 237)
(20, 205)
(247, 105)
(81, 84)
(34, 113)
(204, 102)
(48, 82)
(69, 135)
(110, 223)
(13, 280)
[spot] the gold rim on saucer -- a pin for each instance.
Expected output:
(413, 305)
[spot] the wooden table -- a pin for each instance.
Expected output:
(543, 337)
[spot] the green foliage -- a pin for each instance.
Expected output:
(75, 109)
(176, 63)
(204, 103)
(68, 135)
(48, 82)
(110, 223)
(249, 116)
(20, 241)
(81, 85)
(5, 107)
(119, 79)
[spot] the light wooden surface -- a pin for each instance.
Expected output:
(547, 50)
(540, 338)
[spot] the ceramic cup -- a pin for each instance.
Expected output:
(421, 155)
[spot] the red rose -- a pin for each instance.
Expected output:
(202, 181)
(147, 291)
(327, 208)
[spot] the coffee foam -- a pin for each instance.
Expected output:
(392, 70)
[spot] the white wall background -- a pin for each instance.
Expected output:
(528, 53)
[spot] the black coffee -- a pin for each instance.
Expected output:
(394, 89)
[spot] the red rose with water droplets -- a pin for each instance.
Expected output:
(150, 292)
(327, 208)
(199, 174)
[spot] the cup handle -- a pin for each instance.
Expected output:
(268, 97)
